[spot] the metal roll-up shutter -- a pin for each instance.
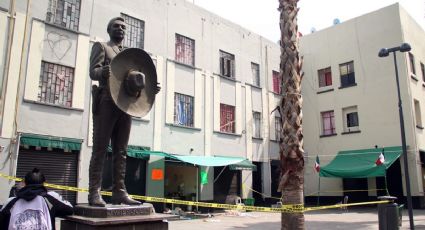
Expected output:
(58, 167)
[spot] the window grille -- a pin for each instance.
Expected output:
(135, 32)
(183, 110)
(352, 120)
(185, 50)
(277, 127)
(256, 126)
(65, 13)
(56, 84)
(255, 74)
(227, 118)
(227, 64)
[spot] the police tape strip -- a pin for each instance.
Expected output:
(294, 208)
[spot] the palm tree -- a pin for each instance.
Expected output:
(291, 141)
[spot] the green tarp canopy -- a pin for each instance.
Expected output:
(235, 163)
(360, 163)
(50, 142)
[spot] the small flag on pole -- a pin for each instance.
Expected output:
(317, 164)
(380, 160)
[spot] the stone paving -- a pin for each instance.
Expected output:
(324, 219)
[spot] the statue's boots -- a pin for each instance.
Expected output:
(119, 193)
(95, 182)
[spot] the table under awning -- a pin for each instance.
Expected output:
(361, 163)
(235, 163)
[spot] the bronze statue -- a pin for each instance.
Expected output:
(127, 87)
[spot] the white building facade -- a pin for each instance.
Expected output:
(350, 101)
(219, 85)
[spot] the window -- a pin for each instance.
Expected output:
(418, 114)
(227, 64)
(65, 13)
(135, 33)
(325, 77)
(277, 127)
(55, 85)
(347, 74)
(412, 63)
(350, 119)
(277, 87)
(256, 124)
(328, 123)
(185, 50)
(423, 71)
(227, 118)
(183, 110)
(255, 74)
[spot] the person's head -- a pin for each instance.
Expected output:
(34, 177)
(116, 29)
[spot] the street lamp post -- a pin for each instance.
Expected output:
(405, 47)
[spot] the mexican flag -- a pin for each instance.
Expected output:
(380, 160)
(317, 164)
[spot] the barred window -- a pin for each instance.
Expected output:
(277, 127)
(227, 64)
(227, 118)
(277, 87)
(56, 84)
(65, 13)
(185, 50)
(135, 32)
(255, 74)
(256, 124)
(183, 110)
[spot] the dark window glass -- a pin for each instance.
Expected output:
(227, 64)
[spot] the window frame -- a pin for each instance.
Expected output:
(256, 124)
(322, 73)
(412, 63)
(188, 109)
(331, 117)
(277, 127)
(227, 118)
(68, 83)
(418, 113)
(277, 82)
(423, 71)
(186, 46)
(54, 10)
(255, 69)
(349, 75)
(132, 29)
(227, 64)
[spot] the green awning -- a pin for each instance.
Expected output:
(243, 165)
(360, 163)
(135, 151)
(210, 161)
(50, 141)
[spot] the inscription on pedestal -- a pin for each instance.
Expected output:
(111, 211)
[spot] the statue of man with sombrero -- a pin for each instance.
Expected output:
(127, 87)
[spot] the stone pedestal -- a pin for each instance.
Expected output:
(115, 217)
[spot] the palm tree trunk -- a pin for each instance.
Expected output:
(291, 142)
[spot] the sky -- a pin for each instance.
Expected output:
(262, 17)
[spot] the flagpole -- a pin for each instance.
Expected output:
(318, 193)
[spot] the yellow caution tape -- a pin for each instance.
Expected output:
(290, 208)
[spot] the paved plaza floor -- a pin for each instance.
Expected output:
(325, 219)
